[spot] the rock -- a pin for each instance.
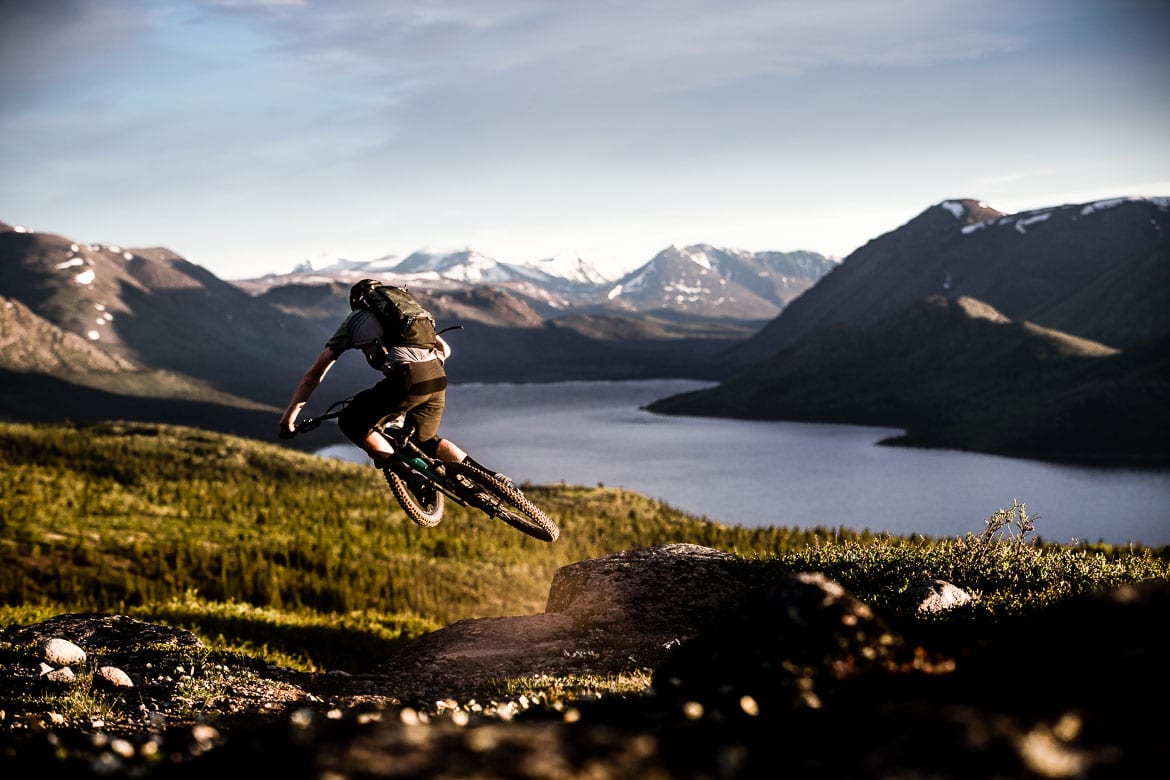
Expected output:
(673, 588)
(620, 612)
(935, 596)
(61, 652)
(114, 677)
(63, 675)
(103, 632)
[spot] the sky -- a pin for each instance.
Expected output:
(252, 135)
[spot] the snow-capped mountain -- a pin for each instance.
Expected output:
(570, 267)
(702, 279)
(327, 264)
(427, 267)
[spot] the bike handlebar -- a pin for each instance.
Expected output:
(310, 423)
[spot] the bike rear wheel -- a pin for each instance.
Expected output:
(504, 501)
(426, 511)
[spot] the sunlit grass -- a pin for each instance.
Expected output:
(308, 563)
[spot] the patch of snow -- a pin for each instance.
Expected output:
(70, 263)
(571, 267)
(93, 335)
(637, 283)
(115, 249)
(1022, 224)
(21, 229)
(614, 293)
(85, 277)
(127, 256)
(1101, 205)
(968, 229)
(698, 257)
(74, 248)
(958, 211)
(100, 306)
(682, 288)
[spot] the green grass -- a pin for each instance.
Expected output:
(308, 562)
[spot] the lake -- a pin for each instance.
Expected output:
(784, 473)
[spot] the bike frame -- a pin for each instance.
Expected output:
(467, 486)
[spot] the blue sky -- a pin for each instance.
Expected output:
(251, 135)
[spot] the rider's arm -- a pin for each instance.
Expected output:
(309, 382)
(443, 347)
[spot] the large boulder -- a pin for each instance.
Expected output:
(620, 612)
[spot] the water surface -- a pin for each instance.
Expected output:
(783, 473)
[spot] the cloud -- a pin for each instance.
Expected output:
(41, 41)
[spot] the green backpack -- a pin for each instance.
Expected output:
(404, 320)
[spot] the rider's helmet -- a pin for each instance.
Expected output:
(358, 292)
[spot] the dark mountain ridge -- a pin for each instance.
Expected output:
(1100, 271)
(956, 373)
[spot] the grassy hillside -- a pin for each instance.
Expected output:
(310, 561)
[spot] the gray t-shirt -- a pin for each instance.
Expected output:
(361, 330)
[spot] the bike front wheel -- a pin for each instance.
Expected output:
(425, 508)
(504, 501)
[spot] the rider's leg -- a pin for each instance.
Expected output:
(367, 409)
(446, 450)
(376, 446)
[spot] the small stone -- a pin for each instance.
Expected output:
(62, 652)
(936, 596)
(115, 677)
(62, 675)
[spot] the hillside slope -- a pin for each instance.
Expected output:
(1100, 271)
(957, 373)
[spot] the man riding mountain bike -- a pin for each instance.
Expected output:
(414, 382)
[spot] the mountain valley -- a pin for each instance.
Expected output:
(1040, 334)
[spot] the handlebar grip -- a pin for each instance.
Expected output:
(305, 425)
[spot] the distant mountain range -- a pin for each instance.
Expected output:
(699, 280)
(974, 329)
(1041, 334)
(91, 330)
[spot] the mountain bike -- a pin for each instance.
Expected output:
(421, 484)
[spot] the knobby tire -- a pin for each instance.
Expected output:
(505, 501)
(428, 516)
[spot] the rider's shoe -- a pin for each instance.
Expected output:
(503, 479)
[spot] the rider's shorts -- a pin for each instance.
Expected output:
(419, 389)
